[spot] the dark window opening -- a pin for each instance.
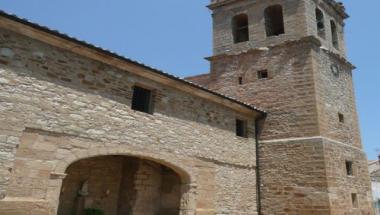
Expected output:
(274, 20)
(240, 80)
(349, 168)
(355, 202)
(240, 28)
(241, 128)
(320, 22)
(341, 118)
(262, 74)
(141, 100)
(334, 34)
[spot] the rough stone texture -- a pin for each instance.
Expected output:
(299, 21)
(65, 108)
(329, 14)
(294, 177)
(374, 169)
(292, 110)
(335, 94)
(121, 185)
(342, 186)
(58, 108)
(294, 21)
(304, 146)
(103, 176)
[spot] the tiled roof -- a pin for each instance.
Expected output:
(118, 56)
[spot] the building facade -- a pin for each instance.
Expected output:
(374, 170)
(83, 129)
(289, 57)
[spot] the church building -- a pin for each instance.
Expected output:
(271, 130)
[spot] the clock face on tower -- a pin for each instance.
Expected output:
(335, 70)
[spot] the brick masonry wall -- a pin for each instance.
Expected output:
(85, 105)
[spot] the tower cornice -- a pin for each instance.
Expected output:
(217, 3)
(309, 39)
(337, 6)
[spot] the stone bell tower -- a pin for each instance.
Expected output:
(288, 57)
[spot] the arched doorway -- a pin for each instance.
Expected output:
(118, 185)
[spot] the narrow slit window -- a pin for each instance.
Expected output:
(341, 117)
(320, 22)
(240, 28)
(274, 20)
(240, 80)
(142, 100)
(349, 168)
(241, 128)
(355, 202)
(334, 34)
(262, 74)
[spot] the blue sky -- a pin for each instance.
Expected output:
(175, 36)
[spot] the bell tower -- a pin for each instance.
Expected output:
(288, 57)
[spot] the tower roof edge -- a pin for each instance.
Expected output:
(339, 7)
(336, 5)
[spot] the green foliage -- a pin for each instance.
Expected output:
(93, 211)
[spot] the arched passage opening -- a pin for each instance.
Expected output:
(116, 185)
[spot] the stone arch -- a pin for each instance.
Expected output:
(320, 20)
(334, 34)
(180, 166)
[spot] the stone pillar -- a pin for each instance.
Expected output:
(147, 183)
(54, 190)
(9, 141)
(188, 203)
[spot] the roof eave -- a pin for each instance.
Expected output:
(57, 39)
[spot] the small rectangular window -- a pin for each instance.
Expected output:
(141, 100)
(262, 74)
(240, 80)
(355, 202)
(241, 128)
(341, 117)
(349, 168)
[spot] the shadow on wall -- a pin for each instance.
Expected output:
(119, 185)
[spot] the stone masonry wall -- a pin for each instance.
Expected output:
(120, 185)
(329, 14)
(303, 98)
(299, 21)
(294, 177)
(71, 98)
(335, 94)
(294, 22)
(103, 176)
(288, 94)
(341, 186)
